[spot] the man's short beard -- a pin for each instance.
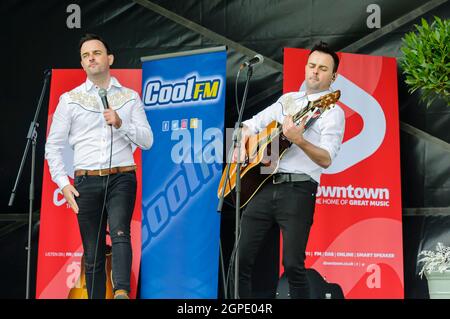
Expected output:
(313, 87)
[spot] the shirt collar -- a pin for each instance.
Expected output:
(113, 82)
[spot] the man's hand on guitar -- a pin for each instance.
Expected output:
(243, 155)
(293, 132)
(245, 134)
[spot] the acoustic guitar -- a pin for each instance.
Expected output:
(265, 150)
(79, 290)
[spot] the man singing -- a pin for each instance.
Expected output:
(102, 136)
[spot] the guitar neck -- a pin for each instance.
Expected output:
(296, 117)
(323, 103)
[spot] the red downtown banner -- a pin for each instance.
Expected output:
(60, 248)
(356, 238)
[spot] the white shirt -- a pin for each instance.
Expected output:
(327, 132)
(79, 120)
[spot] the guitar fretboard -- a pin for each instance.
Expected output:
(323, 103)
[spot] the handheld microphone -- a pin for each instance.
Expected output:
(257, 59)
(102, 94)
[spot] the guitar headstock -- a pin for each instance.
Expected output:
(325, 101)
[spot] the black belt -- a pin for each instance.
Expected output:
(279, 178)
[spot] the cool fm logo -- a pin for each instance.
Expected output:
(190, 89)
(363, 145)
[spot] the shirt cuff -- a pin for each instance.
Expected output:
(124, 128)
(251, 127)
(330, 151)
(62, 182)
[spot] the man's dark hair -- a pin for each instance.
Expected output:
(92, 36)
(323, 47)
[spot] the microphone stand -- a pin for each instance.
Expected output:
(236, 144)
(31, 140)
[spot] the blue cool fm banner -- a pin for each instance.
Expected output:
(184, 98)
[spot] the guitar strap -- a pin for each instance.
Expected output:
(311, 117)
(315, 115)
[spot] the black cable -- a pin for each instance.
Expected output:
(222, 270)
(230, 264)
(228, 280)
(236, 90)
(237, 110)
(232, 196)
(101, 215)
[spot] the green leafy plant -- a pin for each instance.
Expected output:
(426, 60)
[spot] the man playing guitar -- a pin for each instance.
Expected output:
(288, 197)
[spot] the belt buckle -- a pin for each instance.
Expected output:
(100, 173)
(274, 180)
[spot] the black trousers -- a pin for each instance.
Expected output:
(119, 208)
(291, 206)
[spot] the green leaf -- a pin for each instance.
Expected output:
(425, 59)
